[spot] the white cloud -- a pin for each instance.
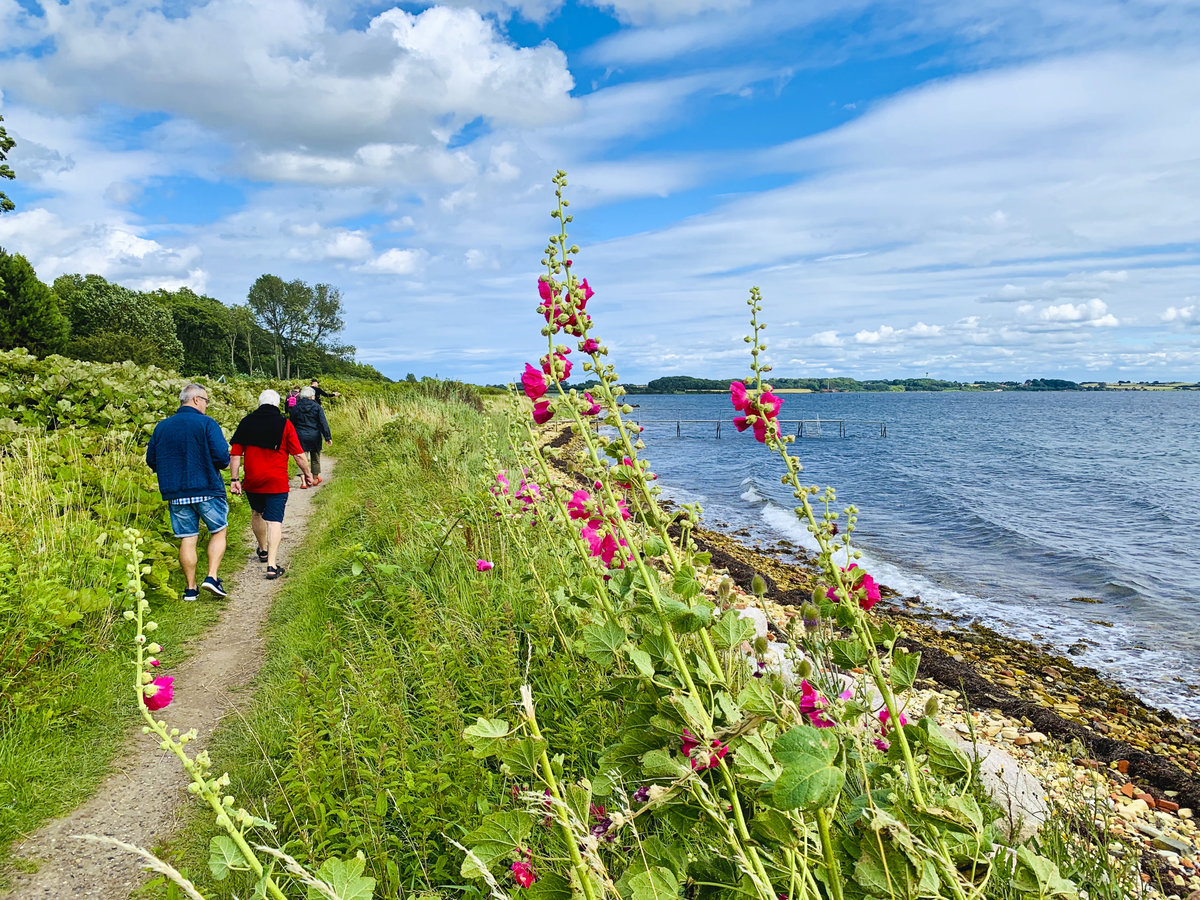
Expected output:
(1093, 312)
(640, 12)
(826, 339)
(1183, 314)
(397, 262)
(882, 333)
(278, 76)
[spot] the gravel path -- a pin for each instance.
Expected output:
(139, 802)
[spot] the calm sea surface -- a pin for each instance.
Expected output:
(1002, 507)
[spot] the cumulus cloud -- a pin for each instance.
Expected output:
(882, 333)
(826, 339)
(1186, 315)
(397, 262)
(1093, 312)
(278, 75)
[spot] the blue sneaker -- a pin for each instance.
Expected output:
(190, 593)
(214, 585)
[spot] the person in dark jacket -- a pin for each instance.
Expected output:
(308, 418)
(188, 451)
(319, 394)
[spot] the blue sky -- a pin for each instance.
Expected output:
(993, 190)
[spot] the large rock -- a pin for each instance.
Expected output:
(1020, 796)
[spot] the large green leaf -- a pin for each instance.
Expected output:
(522, 756)
(486, 736)
(225, 857)
(346, 878)
(752, 760)
(731, 630)
(655, 883)
(602, 643)
(904, 669)
(499, 834)
(809, 780)
(1040, 877)
(549, 886)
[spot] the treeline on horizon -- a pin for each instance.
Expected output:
(686, 384)
(285, 329)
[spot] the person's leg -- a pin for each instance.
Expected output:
(259, 527)
(314, 461)
(187, 559)
(216, 550)
(274, 537)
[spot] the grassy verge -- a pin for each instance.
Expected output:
(384, 644)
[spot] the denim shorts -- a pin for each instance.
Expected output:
(269, 506)
(185, 517)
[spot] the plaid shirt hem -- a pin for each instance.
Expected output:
(185, 501)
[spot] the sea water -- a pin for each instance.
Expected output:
(1009, 509)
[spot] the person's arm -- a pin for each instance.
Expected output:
(216, 444)
(328, 435)
(235, 470)
(152, 452)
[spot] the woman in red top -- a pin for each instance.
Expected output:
(266, 439)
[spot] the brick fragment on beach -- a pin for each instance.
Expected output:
(1127, 790)
(1148, 799)
(1168, 806)
(1123, 766)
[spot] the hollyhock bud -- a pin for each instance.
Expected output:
(542, 413)
(591, 345)
(482, 565)
(592, 408)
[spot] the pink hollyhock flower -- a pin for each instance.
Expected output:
(812, 706)
(885, 727)
(689, 743)
(591, 345)
(534, 382)
(588, 293)
(155, 663)
(544, 290)
(760, 428)
(542, 413)
(865, 588)
(701, 761)
(740, 423)
(163, 693)
(577, 505)
(593, 408)
(548, 362)
(482, 565)
(769, 404)
(523, 873)
(593, 539)
(737, 393)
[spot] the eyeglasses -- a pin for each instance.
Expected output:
(205, 398)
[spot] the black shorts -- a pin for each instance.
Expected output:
(269, 506)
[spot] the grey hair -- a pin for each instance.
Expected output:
(191, 391)
(307, 393)
(268, 397)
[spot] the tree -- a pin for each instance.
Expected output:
(31, 314)
(302, 320)
(203, 326)
(96, 307)
(6, 144)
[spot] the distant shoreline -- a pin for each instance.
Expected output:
(687, 384)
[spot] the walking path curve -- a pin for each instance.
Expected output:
(139, 803)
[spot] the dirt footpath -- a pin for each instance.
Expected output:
(139, 802)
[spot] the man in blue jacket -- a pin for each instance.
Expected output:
(187, 451)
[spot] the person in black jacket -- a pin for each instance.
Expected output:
(319, 394)
(311, 427)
